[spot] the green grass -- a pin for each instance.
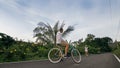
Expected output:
(117, 52)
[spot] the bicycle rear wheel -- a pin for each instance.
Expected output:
(55, 55)
(76, 56)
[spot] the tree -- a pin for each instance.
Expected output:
(46, 34)
(105, 44)
(98, 44)
(89, 38)
(5, 41)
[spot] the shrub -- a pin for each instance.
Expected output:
(117, 52)
(81, 49)
(93, 50)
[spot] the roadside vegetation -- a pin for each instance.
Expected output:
(17, 50)
(116, 48)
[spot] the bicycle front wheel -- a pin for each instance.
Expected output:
(76, 56)
(55, 55)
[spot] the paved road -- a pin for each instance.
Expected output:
(106, 60)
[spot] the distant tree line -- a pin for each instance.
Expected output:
(96, 45)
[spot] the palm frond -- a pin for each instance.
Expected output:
(55, 28)
(43, 38)
(43, 32)
(62, 25)
(68, 30)
(42, 24)
(50, 31)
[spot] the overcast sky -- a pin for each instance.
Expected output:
(18, 18)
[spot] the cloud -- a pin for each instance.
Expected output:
(91, 16)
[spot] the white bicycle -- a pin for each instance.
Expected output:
(55, 54)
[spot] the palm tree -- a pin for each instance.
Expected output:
(47, 34)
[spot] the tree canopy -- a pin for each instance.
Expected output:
(45, 33)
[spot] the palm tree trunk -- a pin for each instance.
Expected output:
(55, 40)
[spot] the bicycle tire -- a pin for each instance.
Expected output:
(76, 56)
(54, 55)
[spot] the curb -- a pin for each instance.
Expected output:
(117, 58)
(23, 61)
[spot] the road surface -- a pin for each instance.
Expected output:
(106, 60)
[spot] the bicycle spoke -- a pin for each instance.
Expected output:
(54, 55)
(76, 55)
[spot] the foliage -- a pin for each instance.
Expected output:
(117, 52)
(14, 50)
(5, 41)
(94, 50)
(100, 43)
(89, 38)
(95, 45)
(21, 51)
(81, 48)
(116, 48)
(91, 49)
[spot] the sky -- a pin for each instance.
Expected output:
(18, 18)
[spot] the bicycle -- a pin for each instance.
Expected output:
(55, 54)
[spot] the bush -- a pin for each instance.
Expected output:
(43, 52)
(22, 51)
(14, 50)
(117, 52)
(116, 48)
(93, 50)
(81, 49)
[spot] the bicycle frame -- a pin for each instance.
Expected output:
(71, 47)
